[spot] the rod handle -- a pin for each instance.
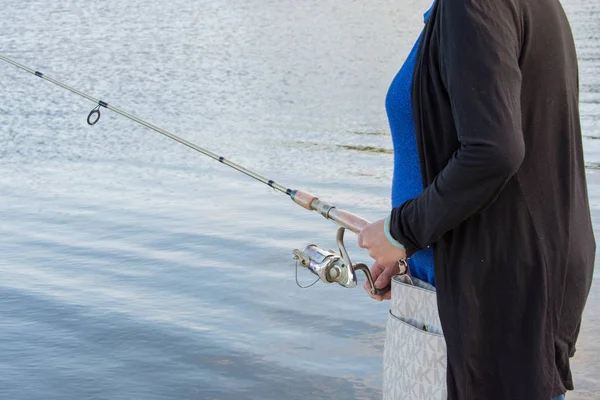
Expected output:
(304, 199)
(341, 217)
(348, 220)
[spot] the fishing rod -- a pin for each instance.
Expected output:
(328, 265)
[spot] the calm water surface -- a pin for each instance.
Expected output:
(134, 268)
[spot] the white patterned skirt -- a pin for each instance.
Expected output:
(414, 356)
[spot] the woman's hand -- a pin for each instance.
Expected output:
(372, 237)
(382, 276)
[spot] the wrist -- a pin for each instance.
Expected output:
(388, 235)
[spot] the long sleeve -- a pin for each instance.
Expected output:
(480, 43)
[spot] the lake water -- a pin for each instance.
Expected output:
(134, 268)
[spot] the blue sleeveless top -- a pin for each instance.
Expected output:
(407, 181)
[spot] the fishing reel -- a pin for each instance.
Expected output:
(333, 267)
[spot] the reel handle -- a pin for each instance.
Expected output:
(358, 266)
(362, 267)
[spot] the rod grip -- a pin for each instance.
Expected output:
(304, 199)
(341, 217)
(348, 220)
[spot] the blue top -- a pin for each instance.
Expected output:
(407, 181)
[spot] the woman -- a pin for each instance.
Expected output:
(504, 208)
